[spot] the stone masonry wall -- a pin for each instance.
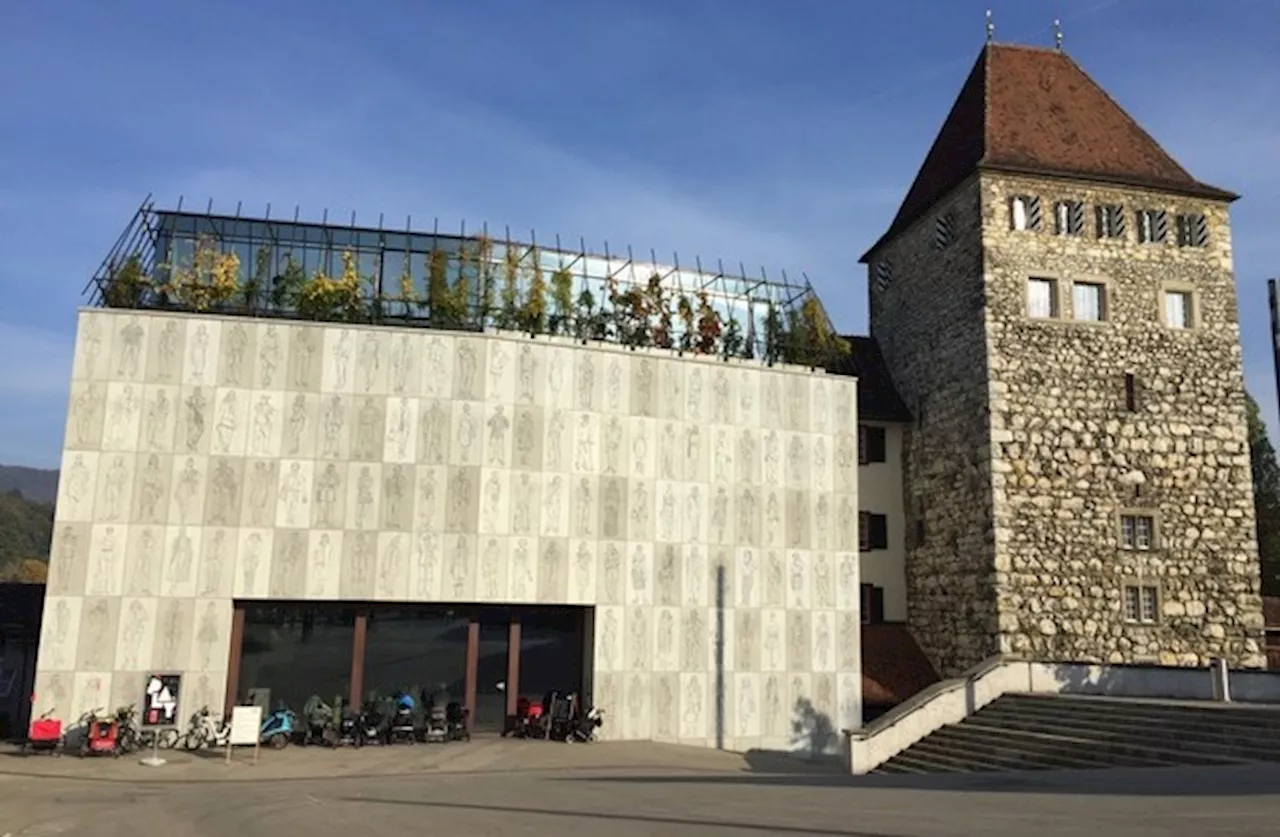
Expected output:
(1069, 457)
(928, 322)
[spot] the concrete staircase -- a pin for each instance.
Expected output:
(1056, 732)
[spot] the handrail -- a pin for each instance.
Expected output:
(928, 695)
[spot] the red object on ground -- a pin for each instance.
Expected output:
(45, 729)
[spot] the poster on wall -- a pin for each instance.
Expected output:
(160, 702)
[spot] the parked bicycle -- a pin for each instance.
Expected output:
(133, 737)
(205, 730)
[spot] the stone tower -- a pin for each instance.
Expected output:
(1056, 303)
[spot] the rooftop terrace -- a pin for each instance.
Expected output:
(264, 267)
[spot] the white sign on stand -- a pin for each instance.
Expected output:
(246, 729)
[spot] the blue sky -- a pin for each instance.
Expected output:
(780, 133)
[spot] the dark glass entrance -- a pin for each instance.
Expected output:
(484, 656)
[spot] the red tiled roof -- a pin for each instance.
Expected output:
(1034, 110)
(893, 666)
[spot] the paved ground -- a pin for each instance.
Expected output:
(499, 787)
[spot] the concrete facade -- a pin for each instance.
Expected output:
(1030, 442)
(211, 459)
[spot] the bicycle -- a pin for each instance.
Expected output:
(204, 730)
(133, 737)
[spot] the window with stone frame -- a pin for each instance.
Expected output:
(873, 531)
(1042, 297)
(1141, 604)
(1024, 212)
(1179, 310)
(1153, 226)
(1068, 217)
(1110, 220)
(871, 445)
(1089, 301)
(1137, 531)
(1193, 230)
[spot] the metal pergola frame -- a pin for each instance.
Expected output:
(159, 238)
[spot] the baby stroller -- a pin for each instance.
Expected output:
(403, 712)
(45, 736)
(584, 727)
(320, 726)
(527, 722)
(437, 727)
(455, 716)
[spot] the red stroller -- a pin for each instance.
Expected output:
(527, 722)
(44, 736)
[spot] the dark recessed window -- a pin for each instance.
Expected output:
(1193, 231)
(1110, 219)
(1068, 218)
(1130, 392)
(873, 531)
(1153, 226)
(871, 444)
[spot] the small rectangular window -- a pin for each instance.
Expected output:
(1177, 309)
(1042, 298)
(1137, 531)
(1088, 301)
(1153, 226)
(1110, 220)
(1141, 604)
(1193, 230)
(871, 444)
(1130, 392)
(873, 531)
(1068, 218)
(1024, 212)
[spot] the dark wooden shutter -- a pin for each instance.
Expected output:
(1075, 217)
(1199, 231)
(876, 444)
(1033, 212)
(878, 536)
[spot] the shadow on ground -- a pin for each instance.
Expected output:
(579, 814)
(1234, 780)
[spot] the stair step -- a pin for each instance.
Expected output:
(907, 762)
(1134, 726)
(1052, 754)
(985, 756)
(1229, 713)
(1106, 744)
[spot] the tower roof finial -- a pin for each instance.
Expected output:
(991, 27)
(1057, 35)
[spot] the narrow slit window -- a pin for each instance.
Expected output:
(1130, 392)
